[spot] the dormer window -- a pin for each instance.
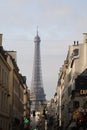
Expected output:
(75, 52)
(74, 56)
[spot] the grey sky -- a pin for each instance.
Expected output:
(60, 23)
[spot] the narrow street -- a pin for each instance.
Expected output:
(43, 64)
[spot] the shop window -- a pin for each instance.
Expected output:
(75, 104)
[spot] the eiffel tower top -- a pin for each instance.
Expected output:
(37, 38)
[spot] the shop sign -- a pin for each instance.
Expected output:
(83, 92)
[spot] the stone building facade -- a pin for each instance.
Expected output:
(13, 106)
(71, 88)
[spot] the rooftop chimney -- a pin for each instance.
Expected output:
(13, 54)
(74, 42)
(84, 37)
(0, 40)
(77, 42)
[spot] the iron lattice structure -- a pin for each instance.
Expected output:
(37, 95)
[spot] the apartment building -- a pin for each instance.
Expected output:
(72, 95)
(4, 88)
(12, 91)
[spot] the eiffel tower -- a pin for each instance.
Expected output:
(37, 95)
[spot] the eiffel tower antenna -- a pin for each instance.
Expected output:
(37, 29)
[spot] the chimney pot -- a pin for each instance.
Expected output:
(74, 42)
(77, 42)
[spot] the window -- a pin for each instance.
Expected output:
(76, 104)
(69, 76)
(69, 90)
(75, 52)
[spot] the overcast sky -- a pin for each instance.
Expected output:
(60, 22)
